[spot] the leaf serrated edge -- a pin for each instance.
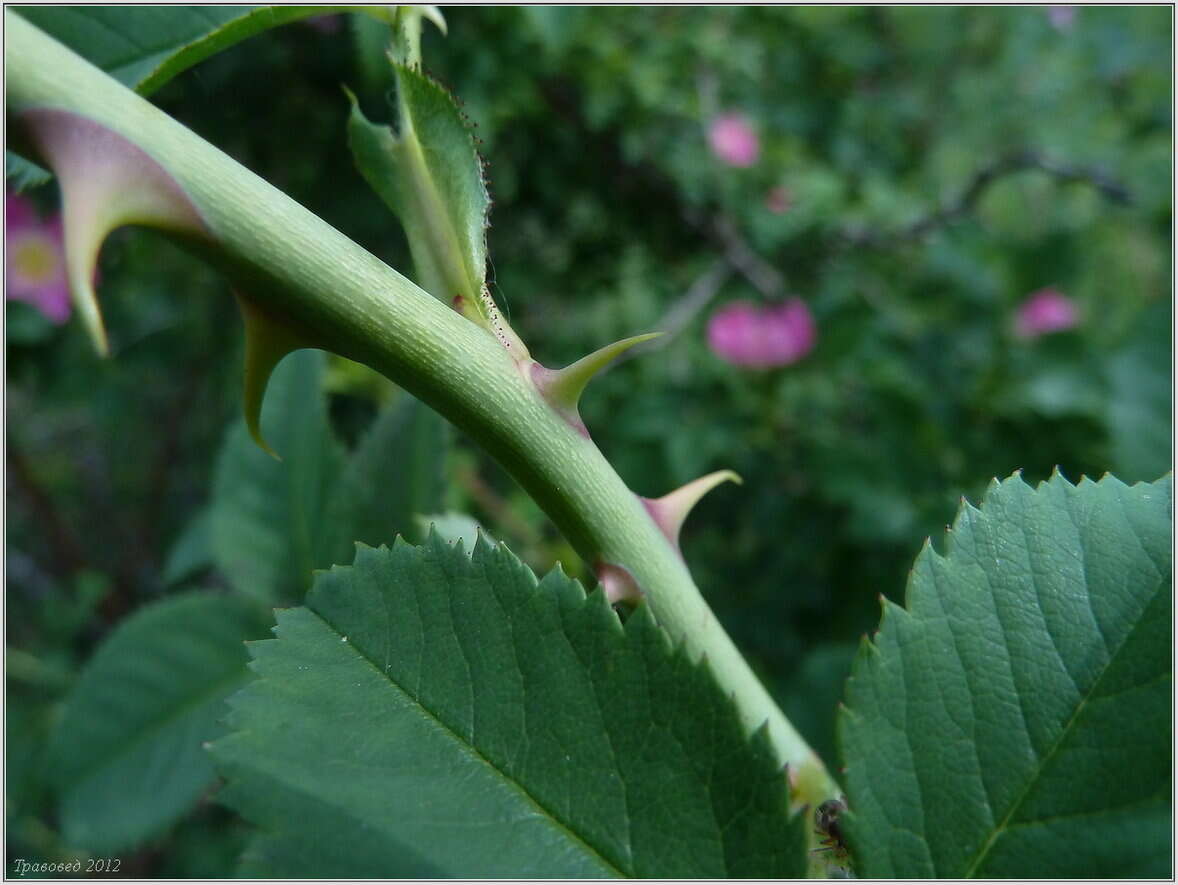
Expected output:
(869, 655)
(638, 629)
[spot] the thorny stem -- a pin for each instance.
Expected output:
(298, 267)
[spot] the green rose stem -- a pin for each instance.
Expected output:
(323, 290)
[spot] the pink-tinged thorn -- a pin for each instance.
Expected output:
(670, 511)
(106, 182)
(562, 388)
(267, 341)
(617, 583)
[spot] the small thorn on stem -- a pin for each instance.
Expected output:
(670, 511)
(563, 387)
(618, 584)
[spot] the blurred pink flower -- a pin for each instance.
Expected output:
(747, 334)
(1061, 17)
(35, 252)
(733, 140)
(1045, 311)
(779, 200)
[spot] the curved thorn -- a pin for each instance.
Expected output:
(563, 387)
(617, 583)
(267, 341)
(106, 182)
(434, 15)
(670, 511)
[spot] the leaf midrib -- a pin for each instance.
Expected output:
(985, 849)
(477, 754)
(445, 237)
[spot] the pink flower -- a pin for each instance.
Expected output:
(1061, 17)
(36, 270)
(733, 140)
(747, 334)
(1045, 311)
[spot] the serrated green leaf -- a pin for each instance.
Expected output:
(430, 175)
(192, 552)
(1014, 719)
(406, 37)
(266, 515)
(433, 713)
(450, 527)
(394, 474)
(1139, 414)
(126, 758)
(272, 523)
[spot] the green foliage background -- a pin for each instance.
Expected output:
(593, 123)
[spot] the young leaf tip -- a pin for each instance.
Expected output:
(670, 511)
(562, 388)
(106, 182)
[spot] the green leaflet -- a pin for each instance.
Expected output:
(450, 527)
(144, 47)
(433, 713)
(125, 758)
(395, 473)
(191, 553)
(1138, 406)
(265, 515)
(1014, 719)
(273, 522)
(431, 177)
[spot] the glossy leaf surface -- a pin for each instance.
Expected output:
(1013, 719)
(433, 713)
(265, 516)
(430, 176)
(126, 758)
(273, 522)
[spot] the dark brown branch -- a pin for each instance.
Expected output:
(723, 233)
(698, 295)
(1019, 161)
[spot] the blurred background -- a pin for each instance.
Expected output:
(897, 252)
